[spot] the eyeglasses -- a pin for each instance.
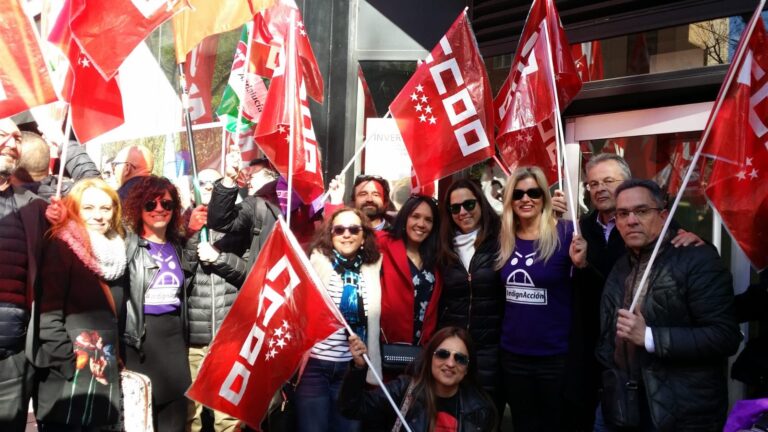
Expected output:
(116, 164)
(338, 230)
(165, 204)
(533, 193)
(468, 205)
(640, 212)
(207, 183)
(459, 358)
(607, 183)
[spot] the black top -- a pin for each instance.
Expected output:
(423, 284)
(447, 414)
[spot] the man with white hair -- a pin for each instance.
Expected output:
(130, 164)
(22, 226)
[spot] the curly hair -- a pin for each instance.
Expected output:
(72, 201)
(150, 188)
(429, 247)
(323, 241)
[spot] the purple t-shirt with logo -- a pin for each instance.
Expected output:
(537, 315)
(163, 293)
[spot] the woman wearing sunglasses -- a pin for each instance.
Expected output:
(82, 297)
(410, 283)
(442, 394)
(536, 260)
(472, 296)
(160, 273)
(346, 258)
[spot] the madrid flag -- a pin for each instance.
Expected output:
(281, 312)
(107, 31)
(444, 111)
(287, 122)
(24, 79)
(527, 97)
(738, 143)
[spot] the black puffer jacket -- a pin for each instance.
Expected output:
(690, 310)
(476, 411)
(215, 287)
(474, 300)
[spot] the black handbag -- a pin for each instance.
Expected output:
(620, 399)
(396, 357)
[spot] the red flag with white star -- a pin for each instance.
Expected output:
(24, 79)
(96, 105)
(107, 31)
(281, 312)
(270, 32)
(286, 115)
(444, 111)
(527, 98)
(738, 142)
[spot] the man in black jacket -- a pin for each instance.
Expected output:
(605, 172)
(220, 273)
(22, 226)
(677, 341)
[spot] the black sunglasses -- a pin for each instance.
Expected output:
(338, 230)
(468, 205)
(165, 204)
(533, 193)
(459, 358)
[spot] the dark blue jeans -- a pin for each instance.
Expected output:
(316, 396)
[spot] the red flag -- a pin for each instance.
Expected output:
(271, 28)
(24, 79)
(444, 110)
(527, 98)
(281, 312)
(738, 142)
(96, 105)
(108, 31)
(588, 58)
(286, 114)
(198, 68)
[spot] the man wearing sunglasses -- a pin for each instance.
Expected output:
(370, 195)
(674, 347)
(22, 227)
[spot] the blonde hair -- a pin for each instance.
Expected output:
(548, 240)
(74, 197)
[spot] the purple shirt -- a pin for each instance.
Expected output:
(537, 315)
(163, 293)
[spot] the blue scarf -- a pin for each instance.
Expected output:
(351, 305)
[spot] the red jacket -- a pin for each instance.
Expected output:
(397, 307)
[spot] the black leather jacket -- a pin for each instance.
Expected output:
(690, 310)
(141, 269)
(476, 411)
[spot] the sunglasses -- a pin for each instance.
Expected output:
(165, 204)
(468, 205)
(338, 230)
(533, 193)
(459, 358)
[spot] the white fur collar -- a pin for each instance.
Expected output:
(102, 254)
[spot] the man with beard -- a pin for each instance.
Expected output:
(22, 225)
(370, 195)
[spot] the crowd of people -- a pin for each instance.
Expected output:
(513, 309)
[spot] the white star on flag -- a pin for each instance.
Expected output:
(419, 88)
(753, 174)
(428, 109)
(280, 129)
(422, 118)
(84, 62)
(414, 97)
(417, 107)
(749, 161)
(424, 99)
(302, 32)
(279, 340)
(432, 120)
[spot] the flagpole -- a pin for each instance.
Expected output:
(63, 156)
(559, 135)
(352, 160)
(190, 142)
(291, 87)
(732, 72)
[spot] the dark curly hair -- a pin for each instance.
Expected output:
(150, 188)
(429, 247)
(323, 241)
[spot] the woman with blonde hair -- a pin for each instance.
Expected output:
(536, 258)
(81, 312)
